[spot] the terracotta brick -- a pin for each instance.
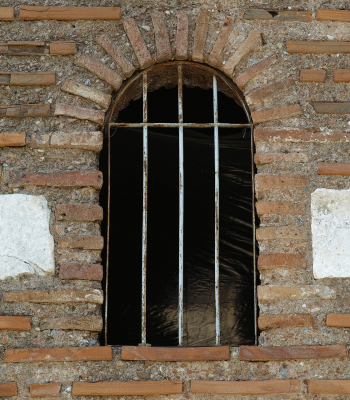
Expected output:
(269, 91)
(80, 113)
(27, 78)
(324, 14)
(56, 296)
(8, 388)
(281, 232)
(63, 48)
(244, 48)
(90, 272)
(271, 114)
(294, 292)
(140, 48)
(267, 158)
(68, 13)
(334, 168)
(114, 51)
(312, 75)
(161, 36)
(277, 260)
(68, 140)
(45, 389)
(7, 14)
(79, 212)
(340, 386)
(242, 79)
(285, 321)
(250, 353)
(200, 35)
(334, 107)
(134, 388)
(15, 323)
(245, 387)
(280, 207)
(98, 353)
(58, 179)
(99, 69)
(278, 15)
(91, 323)
(181, 52)
(338, 320)
(300, 135)
(215, 55)
(318, 46)
(176, 353)
(22, 48)
(341, 75)
(265, 182)
(11, 139)
(24, 110)
(87, 92)
(87, 242)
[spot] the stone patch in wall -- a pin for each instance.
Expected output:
(331, 233)
(26, 245)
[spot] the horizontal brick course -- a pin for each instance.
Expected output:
(280, 207)
(24, 110)
(334, 168)
(328, 386)
(324, 14)
(11, 139)
(267, 158)
(79, 212)
(278, 15)
(91, 323)
(14, 323)
(338, 320)
(8, 388)
(63, 47)
(91, 272)
(294, 292)
(334, 107)
(277, 260)
(68, 13)
(45, 389)
(89, 114)
(281, 232)
(98, 353)
(312, 75)
(295, 135)
(271, 114)
(56, 296)
(285, 321)
(27, 78)
(87, 242)
(341, 75)
(265, 182)
(7, 14)
(58, 179)
(318, 46)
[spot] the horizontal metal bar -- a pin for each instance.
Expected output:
(178, 125)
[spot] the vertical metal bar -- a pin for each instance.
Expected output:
(145, 209)
(181, 204)
(216, 153)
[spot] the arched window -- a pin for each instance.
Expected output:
(180, 252)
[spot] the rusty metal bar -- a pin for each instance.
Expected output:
(145, 209)
(217, 262)
(178, 125)
(181, 204)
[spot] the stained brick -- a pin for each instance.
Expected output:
(318, 47)
(24, 110)
(161, 37)
(300, 135)
(280, 207)
(334, 168)
(11, 139)
(328, 386)
(242, 79)
(63, 48)
(200, 35)
(58, 179)
(99, 353)
(325, 107)
(55, 296)
(312, 75)
(266, 92)
(285, 321)
(181, 52)
(250, 353)
(8, 389)
(114, 51)
(13, 323)
(324, 14)
(215, 55)
(265, 182)
(278, 15)
(271, 114)
(99, 69)
(267, 158)
(87, 242)
(45, 389)
(79, 212)
(80, 113)
(90, 272)
(87, 92)
(91, 323)
(338, 320)
(281, 232)
(294, 292)
(140, 48)
(276, 260)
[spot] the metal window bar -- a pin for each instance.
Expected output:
(181, 125)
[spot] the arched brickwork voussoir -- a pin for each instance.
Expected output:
(216, 57)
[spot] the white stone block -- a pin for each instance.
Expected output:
(26, 245)
(331, 233)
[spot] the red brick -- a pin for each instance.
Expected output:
(285, 321)
(87, 242)
(338, 320)
(270, 293)
(63, 48)
(140, 48)
(269, 91)
(181, 52)
(98, 353)
(318, 46)
(266, 158)
(68, 13)
(90, 272)
(7, 14)
(161, 36)
(280, 207)
(79, 212)
(324, 14)
(11, 139)
(271, 114)
(281, 232)
(277, 260)
(340, 386)
(15, 323)
(300, 135)
(334, 168)
(341, 75)
(99, 69)
(200, 35)
(45, 389)
(92, 323)
(67, 110)
(8, 388)
(58, 179)
(215, 55)
(264, 182)
(312, 75)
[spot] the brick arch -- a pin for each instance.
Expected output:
(257, 99)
